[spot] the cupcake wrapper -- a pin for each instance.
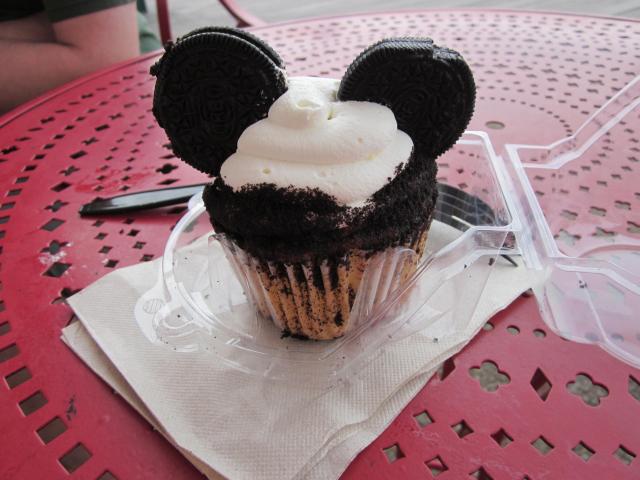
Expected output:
(323, 300)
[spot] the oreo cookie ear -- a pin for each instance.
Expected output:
(211, 85)
(429, 89)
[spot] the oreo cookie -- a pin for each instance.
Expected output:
(430, 89)
(211, 85)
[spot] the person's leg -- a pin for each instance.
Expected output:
(34, 28)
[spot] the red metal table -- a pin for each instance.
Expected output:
(554, 409)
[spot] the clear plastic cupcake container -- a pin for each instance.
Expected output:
(205, 299)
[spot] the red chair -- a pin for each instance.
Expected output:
(242, 16)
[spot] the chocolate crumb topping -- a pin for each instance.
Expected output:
(293, 225)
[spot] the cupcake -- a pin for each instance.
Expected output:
(313, 176)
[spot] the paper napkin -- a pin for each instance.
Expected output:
(245, 427)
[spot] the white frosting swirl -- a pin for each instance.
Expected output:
(349, 150)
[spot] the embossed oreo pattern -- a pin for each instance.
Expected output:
(210, 87)
(430, 89)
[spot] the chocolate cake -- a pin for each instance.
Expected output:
(313, 176)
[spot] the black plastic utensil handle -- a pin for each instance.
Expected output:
(131, 202)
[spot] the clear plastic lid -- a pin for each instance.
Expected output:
(579, 200)
(586, 241)
(205, 300)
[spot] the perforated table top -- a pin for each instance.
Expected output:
(518, 402)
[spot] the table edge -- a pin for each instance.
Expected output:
(443, 9)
